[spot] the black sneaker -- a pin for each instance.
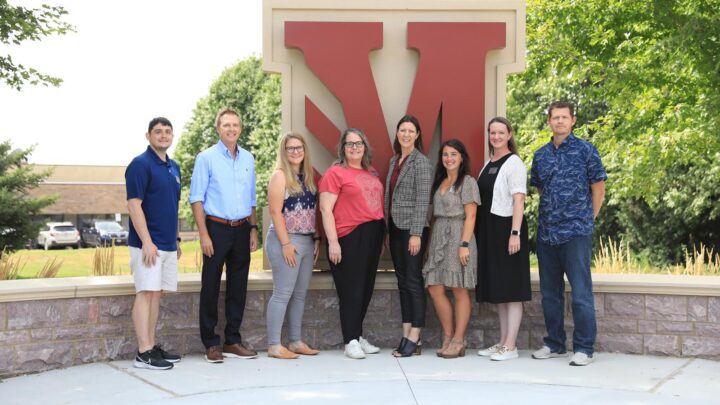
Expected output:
(151, 359)
(172, 358)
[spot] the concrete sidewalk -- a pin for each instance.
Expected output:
(330, 378)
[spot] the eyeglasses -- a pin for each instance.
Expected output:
(294, 149)
(354, 145)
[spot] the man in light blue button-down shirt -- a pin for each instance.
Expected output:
(222, 195)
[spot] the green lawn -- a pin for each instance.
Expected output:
(78, 263)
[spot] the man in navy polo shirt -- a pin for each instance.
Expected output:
(223, 197)
(152, 181)
(570, 177)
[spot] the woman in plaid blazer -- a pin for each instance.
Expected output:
(407, 195)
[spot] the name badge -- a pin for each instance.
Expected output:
(493, 170)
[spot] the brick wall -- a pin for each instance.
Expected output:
(42, 334)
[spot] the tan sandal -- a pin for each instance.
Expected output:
(445, 344)
(455, 349)
(282, 353)
(302, 348)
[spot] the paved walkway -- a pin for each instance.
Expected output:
(330, 378)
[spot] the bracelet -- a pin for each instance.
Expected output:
(317, 237)
(285, 244)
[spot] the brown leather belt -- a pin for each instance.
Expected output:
(228, 222)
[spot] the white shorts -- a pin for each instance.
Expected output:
(160, 277)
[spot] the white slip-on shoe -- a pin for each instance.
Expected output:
(580, 359)
(353, 350)
(504, 353)
(368, 347)
(489, 351)
(547, 353)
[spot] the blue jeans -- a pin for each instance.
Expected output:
(573, 259)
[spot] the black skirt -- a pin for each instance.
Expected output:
(501, 277)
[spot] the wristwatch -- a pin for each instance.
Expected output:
(515, 232)
(255, 227)
(464, 244)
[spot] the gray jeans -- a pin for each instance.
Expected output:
(290, 286)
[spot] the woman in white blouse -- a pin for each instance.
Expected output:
(503, 254)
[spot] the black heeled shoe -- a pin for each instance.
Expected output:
(402, 343)
(410, 348)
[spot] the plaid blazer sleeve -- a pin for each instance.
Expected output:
(423, 182)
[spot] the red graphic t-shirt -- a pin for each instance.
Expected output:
(360, 196)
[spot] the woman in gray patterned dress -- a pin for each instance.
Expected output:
(452, 259)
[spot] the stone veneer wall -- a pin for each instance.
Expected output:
(46, 324)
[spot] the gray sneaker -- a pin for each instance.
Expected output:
(546, 353)
(580, 359)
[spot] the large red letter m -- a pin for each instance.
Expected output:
(449, 86)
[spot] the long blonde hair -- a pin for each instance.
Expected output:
(291, 181)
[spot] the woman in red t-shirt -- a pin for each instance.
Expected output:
(351, 203)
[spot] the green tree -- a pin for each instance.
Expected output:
(644, 76)
(255, 95)
(16, 207)
(19, 24)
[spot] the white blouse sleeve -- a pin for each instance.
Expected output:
(516, 175)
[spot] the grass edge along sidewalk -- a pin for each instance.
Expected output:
(610, 257)
(79, 263)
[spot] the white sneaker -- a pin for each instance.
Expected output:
(580, 359)
(546, 353)
(354, 350)
(504, 354)
(489, 351)
(368, 347)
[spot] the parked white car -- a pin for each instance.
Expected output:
(58, 234)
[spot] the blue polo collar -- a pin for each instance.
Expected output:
(154, 156)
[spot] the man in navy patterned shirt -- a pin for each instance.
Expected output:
(570, 177)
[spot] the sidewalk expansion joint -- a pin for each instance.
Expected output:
(157, 387)
(671, 376)
(407, 380)
(269, 386)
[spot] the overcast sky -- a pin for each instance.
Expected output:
(128, 62)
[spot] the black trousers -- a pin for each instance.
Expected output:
(408, 270)
(232, 249)
(354, 276)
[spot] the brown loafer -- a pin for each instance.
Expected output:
(213, 355)
(282, 353)
(238, 351)
(303, 349)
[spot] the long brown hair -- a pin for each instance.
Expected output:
(511, 141)
(283, 164)
(418, 141)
